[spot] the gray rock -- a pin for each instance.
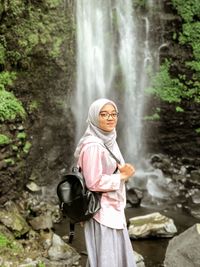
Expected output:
(154, 224)
(13, 220)
(184, 250)
(42, 222)
(62, 251)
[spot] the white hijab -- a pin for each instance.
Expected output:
(93, 133)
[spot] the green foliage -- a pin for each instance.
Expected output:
(35, 29)
(6, 78)
(197, 130)
(4, 241)
(163, 86)
(179, 109)
(4, 139)
(10, 106)
(153, 117)
(2, 54)
(27, 147)
(21, 135)
(190, 12)
(33, 106)
(41, 264)
(187, 9)
(8, 244)
(53, 3)
(10, 161)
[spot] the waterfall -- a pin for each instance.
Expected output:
(112, 56)
(127, 59)
(95, 56)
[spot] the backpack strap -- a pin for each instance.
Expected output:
(111, 153)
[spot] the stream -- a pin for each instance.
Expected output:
(153, 250)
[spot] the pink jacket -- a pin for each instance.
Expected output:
(98, 166)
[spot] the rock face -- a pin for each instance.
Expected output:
(176, 132)
(184, 249)
(44, 84)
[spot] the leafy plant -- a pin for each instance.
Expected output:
(34, 30)
(154, 116)
(4, 240)
(165, 87)
(6, 78)
(10, 161)
(6, 243)
(189, 11)
(165, 84)
(21, 135)
(197, 130)
(27, 147)
(179, 109)
(4, 139)
(10, 106)
(41, 264)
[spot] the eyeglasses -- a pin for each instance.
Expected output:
(106, 115)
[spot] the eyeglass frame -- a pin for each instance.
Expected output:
(106, 115)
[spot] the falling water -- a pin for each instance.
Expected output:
(112, 57)
(127, 58)
(95, 55)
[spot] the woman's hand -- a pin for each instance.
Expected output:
(126, 171)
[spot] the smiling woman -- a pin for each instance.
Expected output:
(108, 118)
(106, 236)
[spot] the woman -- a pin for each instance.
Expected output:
(106, 235)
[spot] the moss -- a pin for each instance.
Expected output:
(7, 244)
(197, 130)
(34, 30)
(4, 241)
(21, 135)
(4, 140)
(14, 148)
(10, 106)
(33, 106)
(179, 109)
(153, 117)
(27, 147)
(10, 161)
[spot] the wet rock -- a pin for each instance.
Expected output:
(161, 162)
(139, 259)
(134, 197)
(183, 250)
(13, 220)
(196, 197)
(62, 251)
(151, 225)
(195, 176)
(42, 222)
(33, 187)
(192, 209)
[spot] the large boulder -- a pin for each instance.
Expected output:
(184, 249)
(151, 225)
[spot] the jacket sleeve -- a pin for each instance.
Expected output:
(98, 170)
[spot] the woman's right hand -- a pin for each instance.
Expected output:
(126, 171)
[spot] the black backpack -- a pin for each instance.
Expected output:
(77, 202)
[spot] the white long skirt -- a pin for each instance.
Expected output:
(107, 247)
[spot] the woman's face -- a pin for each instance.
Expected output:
(108, 118)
